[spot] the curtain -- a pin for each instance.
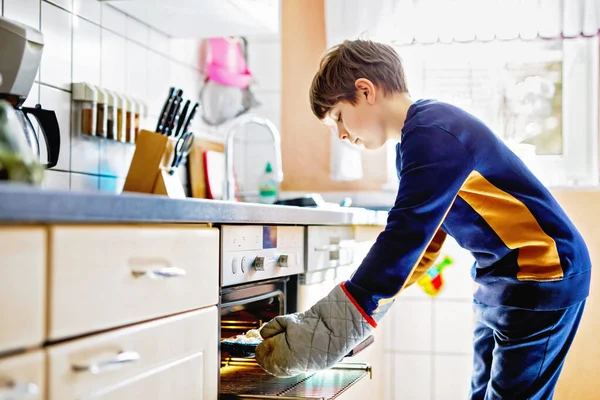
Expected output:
(446, 21)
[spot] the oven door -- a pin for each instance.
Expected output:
(248, 307)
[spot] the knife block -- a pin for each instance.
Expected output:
(148, 172)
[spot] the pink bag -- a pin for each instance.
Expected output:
(222, 61)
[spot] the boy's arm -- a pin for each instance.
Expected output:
(431, 254)
(434, 166)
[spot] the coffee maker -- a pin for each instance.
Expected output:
(21, 49)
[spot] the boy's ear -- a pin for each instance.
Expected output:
(365, 88)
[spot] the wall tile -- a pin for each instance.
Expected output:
(60, 102)
(264, 61)
(137, 31)
(457, 277)
(270, 109)
(115, 158)
(184, 50)
(452, 377)
(56, 59)
(24, 11)
(66, 4)
(84, 183)
(85, 153)
(113, 61)
(137, 70)
(56, 180)
(111, 185)
(453, 326)
(158, 82)
(86, 51)
(412, 325)
(88, 9)
(158, 41)
(412, 377)
(257, 156)
(113, 19)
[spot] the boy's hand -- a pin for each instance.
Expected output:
(313, 340)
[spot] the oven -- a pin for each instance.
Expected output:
(260, 273)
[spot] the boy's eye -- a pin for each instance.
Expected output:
(339, 117)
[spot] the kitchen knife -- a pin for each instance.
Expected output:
(181, 118)
(165, 118)
(164, 109)
(186, 126)
(172, 113)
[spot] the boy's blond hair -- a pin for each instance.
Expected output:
(343, 64)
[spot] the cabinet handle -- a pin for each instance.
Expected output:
(11, 389)
(157, 273)
(96, 367)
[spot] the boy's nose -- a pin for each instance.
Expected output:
(343, 135)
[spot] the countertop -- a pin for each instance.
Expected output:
(27, 204)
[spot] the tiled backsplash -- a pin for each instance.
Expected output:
(428, 341)
(86, 40)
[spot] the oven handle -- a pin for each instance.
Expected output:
(265, 296)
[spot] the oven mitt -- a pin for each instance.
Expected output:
(316, 339)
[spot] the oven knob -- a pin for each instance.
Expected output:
(259, 263)
(283, 261)
(234, 265)
(243, 264)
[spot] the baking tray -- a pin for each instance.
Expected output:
(247, 350)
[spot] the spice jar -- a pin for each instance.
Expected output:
(111, 119)
(101, 120)
(86, 97)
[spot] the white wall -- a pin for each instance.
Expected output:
(86, 40)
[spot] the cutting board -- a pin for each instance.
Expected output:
(214, 168)
(196, 164)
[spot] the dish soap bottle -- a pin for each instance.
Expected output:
(268, 186)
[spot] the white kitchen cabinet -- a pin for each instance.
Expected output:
(23, 376)
(169, 358)
(102, 277)
(22, 287)
(206, 18)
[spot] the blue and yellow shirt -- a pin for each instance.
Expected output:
(458, 178)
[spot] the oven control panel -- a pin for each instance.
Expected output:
(258, 252)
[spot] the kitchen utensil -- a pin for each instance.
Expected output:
(214, 169)
(20, 53)
(163, 123)
(183, 146)
(17, 160)
(181, 119)
(172, 115)
(190, 117)
(247, 350)
(164, 109)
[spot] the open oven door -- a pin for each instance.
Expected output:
(244, 379)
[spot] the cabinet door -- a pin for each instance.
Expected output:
(169, 358)
(23, 377)
(22, 286)
(128, 274)
(182, 379)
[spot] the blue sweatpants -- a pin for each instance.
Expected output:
(519, 353)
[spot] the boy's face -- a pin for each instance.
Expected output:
(359, 123)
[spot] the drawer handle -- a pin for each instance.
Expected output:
(158, 273)
(119, 361)
(329, 247)
(12, 389)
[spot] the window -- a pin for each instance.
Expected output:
(539, 96)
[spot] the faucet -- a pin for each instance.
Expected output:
(231, 133)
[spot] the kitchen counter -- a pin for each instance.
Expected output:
(26, 204)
